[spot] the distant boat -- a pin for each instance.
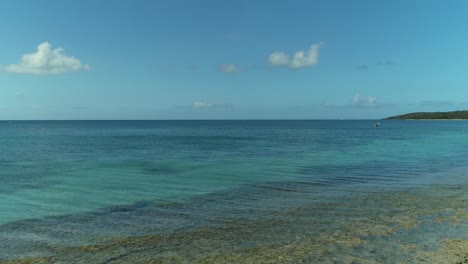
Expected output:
(377, 125)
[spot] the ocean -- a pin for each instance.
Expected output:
(237, 191)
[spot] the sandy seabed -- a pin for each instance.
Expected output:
(428, 225)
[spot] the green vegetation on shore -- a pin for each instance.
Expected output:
(433, 115)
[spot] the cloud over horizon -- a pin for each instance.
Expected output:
(229, 68)
(200, 105)
(300, 59)
(357, 101)
(363, 101)
(46, 61)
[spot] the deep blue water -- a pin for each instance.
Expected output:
(74, 183)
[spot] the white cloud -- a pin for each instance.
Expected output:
(300, 59)
(358, 101)
(279, 58)
(363, 101)
(46, 61)
(229, 68)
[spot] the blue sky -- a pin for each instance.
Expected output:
(231, 59)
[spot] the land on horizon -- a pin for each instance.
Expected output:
(453, 115)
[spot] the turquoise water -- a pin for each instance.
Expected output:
(314, 191)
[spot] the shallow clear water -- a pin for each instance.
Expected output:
(235, 191)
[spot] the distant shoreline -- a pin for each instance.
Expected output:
(454, 115)
(429, 119)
